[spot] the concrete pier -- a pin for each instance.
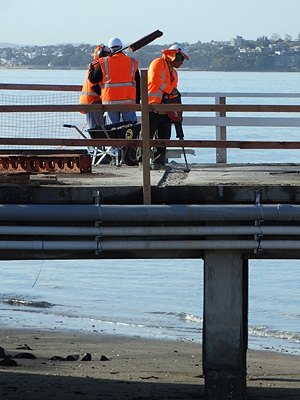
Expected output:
(224, 240)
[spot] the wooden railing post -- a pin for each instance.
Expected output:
(145, 138)
(221, 153)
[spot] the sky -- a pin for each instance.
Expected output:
(46, 22)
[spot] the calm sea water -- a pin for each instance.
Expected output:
(157, 298)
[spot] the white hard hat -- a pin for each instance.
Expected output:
(180, 49)
(114, 42)
(175, 47)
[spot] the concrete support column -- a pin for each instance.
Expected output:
(225, 325)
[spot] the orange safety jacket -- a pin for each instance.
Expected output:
(88, 96)
(118, 85)
(160, 81)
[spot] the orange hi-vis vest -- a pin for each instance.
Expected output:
(88, 96)
(160, 81)
(118, 85)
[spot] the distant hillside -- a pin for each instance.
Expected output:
(237, 55)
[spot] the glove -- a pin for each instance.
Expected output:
(96, 88)
(174, 92)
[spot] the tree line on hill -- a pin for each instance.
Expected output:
(262, 54)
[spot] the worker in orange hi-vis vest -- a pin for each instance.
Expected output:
(162, 82)
(119, 79)
(91, 92)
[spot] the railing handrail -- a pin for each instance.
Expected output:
(237, 144)
(77, 88)
(239, 94)
(268, 108)
(35, 86)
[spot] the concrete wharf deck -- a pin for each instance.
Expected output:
(204, 184)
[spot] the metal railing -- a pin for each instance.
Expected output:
(221, 121)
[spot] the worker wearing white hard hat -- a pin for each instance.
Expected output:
(119, 78)
(162, 84)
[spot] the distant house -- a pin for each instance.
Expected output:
(237, 42)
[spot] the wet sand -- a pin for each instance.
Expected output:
(128, 368)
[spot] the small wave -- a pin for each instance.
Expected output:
(193, 318)
(26, 303)
(181, 315)
(263, 331)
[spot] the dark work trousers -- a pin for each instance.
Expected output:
(160, 128)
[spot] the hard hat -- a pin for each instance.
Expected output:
(114, 42)
(179, 49)
(103, 51)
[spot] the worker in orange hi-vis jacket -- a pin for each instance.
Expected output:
(162, 81)
(119, 79)
(91, 92)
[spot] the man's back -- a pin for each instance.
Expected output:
(119, 79)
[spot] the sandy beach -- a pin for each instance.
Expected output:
(94, 366)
